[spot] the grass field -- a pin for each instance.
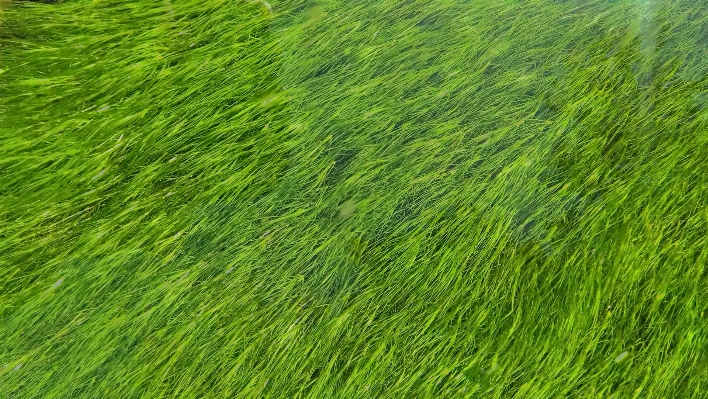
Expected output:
(354, 199)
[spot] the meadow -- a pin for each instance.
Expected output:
(354, 199)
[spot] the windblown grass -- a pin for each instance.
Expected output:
(354, 199)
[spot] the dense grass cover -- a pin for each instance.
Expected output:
(354, 199)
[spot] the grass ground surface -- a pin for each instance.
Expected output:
(354, 199)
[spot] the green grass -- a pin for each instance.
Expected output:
(354, 199)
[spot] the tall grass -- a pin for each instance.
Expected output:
(354, 199)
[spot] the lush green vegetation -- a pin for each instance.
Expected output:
(354, 199)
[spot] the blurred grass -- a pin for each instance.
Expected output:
(389, 199)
